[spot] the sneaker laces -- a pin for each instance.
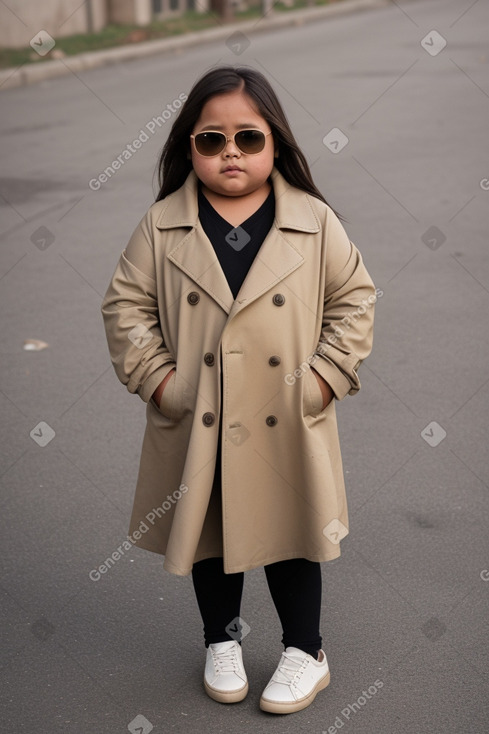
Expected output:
(289, 669)
(226, 661)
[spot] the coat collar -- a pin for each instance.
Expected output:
(293, 208)
(277, 257)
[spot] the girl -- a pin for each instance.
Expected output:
(240, 312)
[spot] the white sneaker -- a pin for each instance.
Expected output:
(224, 677)
(296, 681)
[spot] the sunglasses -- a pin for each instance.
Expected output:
(212, 142)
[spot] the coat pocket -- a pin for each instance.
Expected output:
(167, 401)
(312, 397)
(177, 399)
(169, 405)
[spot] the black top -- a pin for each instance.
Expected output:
(236, 247)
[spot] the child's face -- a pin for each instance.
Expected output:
(229, 113)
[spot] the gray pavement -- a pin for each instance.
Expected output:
(235, 35)
(406, 604)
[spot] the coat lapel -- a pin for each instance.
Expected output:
(197, 258)
(277, 257)
(194, 254)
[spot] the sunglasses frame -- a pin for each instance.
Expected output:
(228, 138)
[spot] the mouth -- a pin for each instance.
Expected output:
(232, 168)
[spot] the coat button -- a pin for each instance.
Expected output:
(274, 361)
(279, 299)
(208, 419)
(209, 359)
(271, 420)
(193, 298)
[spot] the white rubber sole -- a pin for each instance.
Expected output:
(281, 707)
(226, 696)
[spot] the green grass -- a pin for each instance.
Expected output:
(119, 35)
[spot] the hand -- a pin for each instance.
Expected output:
(159, 390)
(326, 390)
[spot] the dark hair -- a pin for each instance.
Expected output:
(174, 164)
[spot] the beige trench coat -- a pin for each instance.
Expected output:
(307, 300)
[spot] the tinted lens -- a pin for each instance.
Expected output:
(210, 143)
(250, 141)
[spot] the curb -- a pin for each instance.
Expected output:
(36, 72)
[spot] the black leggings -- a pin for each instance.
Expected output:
(295, 587)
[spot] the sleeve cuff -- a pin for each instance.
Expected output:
(339, 383)
(146, 390)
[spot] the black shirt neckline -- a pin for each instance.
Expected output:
(236, 261)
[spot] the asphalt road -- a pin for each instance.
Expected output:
(404, 617)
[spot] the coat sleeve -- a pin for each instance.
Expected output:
(348, 313)
(130, 312)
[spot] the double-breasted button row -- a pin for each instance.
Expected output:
(193, 298)
(209, 359)
(208, 419)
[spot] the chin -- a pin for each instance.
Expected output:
(232, 191)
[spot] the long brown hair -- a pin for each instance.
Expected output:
(174, 164)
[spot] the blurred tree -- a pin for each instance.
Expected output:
(224, 9)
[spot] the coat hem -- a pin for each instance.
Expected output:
(315, 557)
(177, 571)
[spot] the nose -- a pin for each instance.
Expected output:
(233, 151)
